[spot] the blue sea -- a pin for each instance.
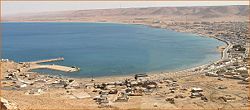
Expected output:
(104, 49)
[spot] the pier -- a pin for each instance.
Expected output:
(56, 67)
(37, 65)
(46, 60)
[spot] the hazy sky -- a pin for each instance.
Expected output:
(15, 7)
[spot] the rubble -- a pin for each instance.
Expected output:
(81, 95)
(179, 96)
(227, 98)
(35, 91)
(122, 97)
(196, 90)
(21, 85)
(196, 94)
(222, 87)
(170, 100)
(102, 99)
(204, 98)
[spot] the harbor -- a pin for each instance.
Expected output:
(45, 61)
(55, 67)
(29, 66)
(224, 81)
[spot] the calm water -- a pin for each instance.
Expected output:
(102, 49)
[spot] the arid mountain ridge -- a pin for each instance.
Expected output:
(198, 11)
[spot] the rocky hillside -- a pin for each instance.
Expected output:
(201, 12)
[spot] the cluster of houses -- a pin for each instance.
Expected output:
(141, 85)
(123, 89)
(33, 83)
(235, 65)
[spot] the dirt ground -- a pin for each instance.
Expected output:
(57, 98)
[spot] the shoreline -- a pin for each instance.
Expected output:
(178, 71)
(59, 92)
(175, 71)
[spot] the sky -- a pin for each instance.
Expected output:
(21, 7)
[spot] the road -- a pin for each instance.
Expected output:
(225, 54)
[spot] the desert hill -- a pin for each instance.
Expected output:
(199, 12)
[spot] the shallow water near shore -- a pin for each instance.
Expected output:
(105, 49)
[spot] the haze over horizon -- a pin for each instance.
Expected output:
(10, 8)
